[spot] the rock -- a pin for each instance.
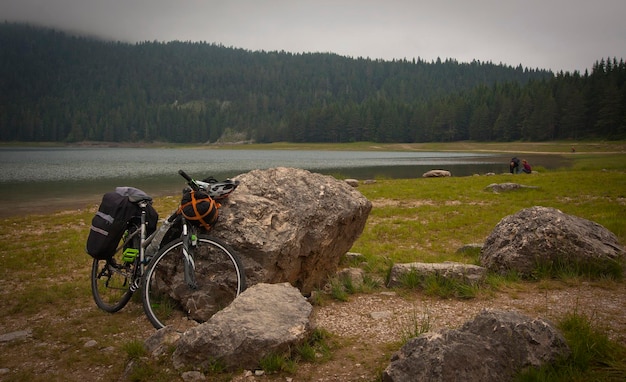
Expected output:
(381, 315)
(492, 347)
(436, 174)
(465, 273)
(193, 376)
(546, 236)
(354, 275)
(352, 182)
(265, 319)
(90, 344)
(292, 225)
(504, 187)
(354, 256)
(160, 342)
(18, 335)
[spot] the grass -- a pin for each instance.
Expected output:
(593, 356)
(44, 270)
(316, 349)
(429, 219)
(418, 324)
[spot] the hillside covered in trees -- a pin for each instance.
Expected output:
(58, 87)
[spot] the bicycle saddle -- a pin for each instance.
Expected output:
(135, 195)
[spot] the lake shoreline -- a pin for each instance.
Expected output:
(39, 197)
(517, 147)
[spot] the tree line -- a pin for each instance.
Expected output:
(55, 86)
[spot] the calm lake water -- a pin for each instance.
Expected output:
(54, 178)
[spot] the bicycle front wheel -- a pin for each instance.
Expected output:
(110, 283)
(167, 298)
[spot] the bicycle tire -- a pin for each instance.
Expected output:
(110, 286)
(169, 301)
(111, 279)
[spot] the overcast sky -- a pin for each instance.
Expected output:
(559, 35)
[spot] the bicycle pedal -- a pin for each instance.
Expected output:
(129, 255)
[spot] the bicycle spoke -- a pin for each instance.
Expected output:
(111, 280)
(168, 299)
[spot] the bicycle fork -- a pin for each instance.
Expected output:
(139, 269)
(189, 241)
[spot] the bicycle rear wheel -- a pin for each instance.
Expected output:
(169, 301)
(111, 279)
(110, 284)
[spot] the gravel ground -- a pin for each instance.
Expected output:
(370, 327)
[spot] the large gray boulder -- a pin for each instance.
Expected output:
(542, 235)
(492, 347)
(265, 319)
(292, 225)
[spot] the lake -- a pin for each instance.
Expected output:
(32, 178)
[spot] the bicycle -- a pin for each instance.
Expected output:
(185, 274)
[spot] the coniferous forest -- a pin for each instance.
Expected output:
(56, 86)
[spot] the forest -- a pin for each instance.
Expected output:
(59, 87)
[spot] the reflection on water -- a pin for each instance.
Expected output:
(74, 177)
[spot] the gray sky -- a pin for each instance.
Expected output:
(548, 34)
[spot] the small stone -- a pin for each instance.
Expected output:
(193, 376)
(90, 344)
(18, 335)
(381, 315)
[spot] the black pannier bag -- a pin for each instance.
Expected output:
(109, 223)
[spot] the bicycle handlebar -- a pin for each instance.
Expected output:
(215, 189)
(192, 183)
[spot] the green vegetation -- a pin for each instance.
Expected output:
(64, 88)
(593, 356)
(316, 349)
(416, 326)
(135, 349)
(429, 219)
(45, 271)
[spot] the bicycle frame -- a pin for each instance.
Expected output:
(130, 272)
(188, 235)
(190, 264)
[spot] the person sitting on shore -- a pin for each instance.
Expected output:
(526, 167)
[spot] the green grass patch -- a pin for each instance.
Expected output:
(592, 269)
(418, 324)
(274, 363)
(436, 285)
(593, 356)
(427, 220)
(135, 349)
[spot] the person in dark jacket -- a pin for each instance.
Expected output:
(514, 166)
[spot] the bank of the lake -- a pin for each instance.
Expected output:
(37, 180)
